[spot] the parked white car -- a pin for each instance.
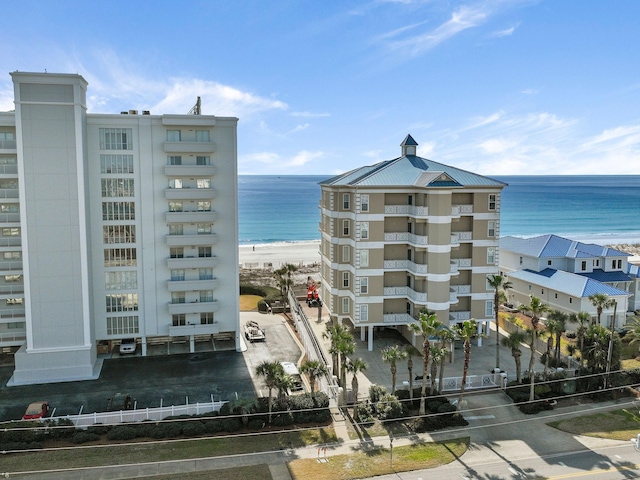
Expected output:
(128, 345)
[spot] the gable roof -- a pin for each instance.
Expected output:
(409, 170)
(566, 282)
(546, 246)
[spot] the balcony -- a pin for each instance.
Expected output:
(406, 210)
(192, 262)
(14, 266)
(457, 237)
(189, 170)
(192, 240)
(14, 241)
(460, 316)
(192, 285)
(405, 292)
(7, 144)
(191, 217)
(457, 290)
(7, 313)
(13, 339)
(405, 237)
(189, 147)
(397, 318)
(193, 307)
(457, 210)
(408, 265)
(189, 193)
(460, 263)
(8, 193)
(188, 330)
(17, 289)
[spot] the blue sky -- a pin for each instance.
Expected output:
(498, 87)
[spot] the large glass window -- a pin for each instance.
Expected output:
(179, 320)
(345, 228)
(203, 135)
(206, 318)
(204, 252)
(174, 160)
(203, 183)
(125, 280)
(205, 273)
(364, 313)
(203, 160)
(204, 206)
(364, 258)
(204, 229)
(177, 297)
(491, 255)
(175, 206)
(116, 139)
(364, 203)
(177, 274)
(346, 253)
(119, 233)
(492, 202)
(364, 230)
(11, 232)
(491, 228)
(488, 308)
(116, 163)
(345, 279)
(176, 252)
(364, 285)
(206, 295)
(176, 229)
(175, 183)
(117, 187)
(122, 302)
(122, 325)
(345, 304)
(120, 257)
(118, 211)
(173, 135)
(10, 207)
(346, 201)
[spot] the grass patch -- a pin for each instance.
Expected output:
(377, 429)
(238, 473)
(249, 303)
(616, 425)
(377, 462)
(100, 455)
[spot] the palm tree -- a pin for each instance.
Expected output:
(411, 352)
(336, 333)
(446, 338)
(583, 319)
(345, 347)
(550, 337)
(354, 367)
(284, 279)
(535, 308)
(284, 384)
(270, 371)
(438, 354)
(465, 331)
(558, 321)
(497, 282)
(393, 354)
(513, 342)
(427, 325)
(314, 369)
(596, 347)
(600, 301)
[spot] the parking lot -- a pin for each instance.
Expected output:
(161, 379)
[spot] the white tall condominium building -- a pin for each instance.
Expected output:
(405, 235)
(112, 227)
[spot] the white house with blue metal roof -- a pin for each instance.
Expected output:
(563, 273)
(405, 235)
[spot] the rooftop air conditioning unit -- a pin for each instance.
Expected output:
(146, 112)
(124, 113)
(133, 112)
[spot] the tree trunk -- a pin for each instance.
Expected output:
(465, 369)
(425, 369)
(434, 372)
(534, 337)
(516, 356)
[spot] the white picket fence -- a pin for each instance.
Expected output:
(85, 420)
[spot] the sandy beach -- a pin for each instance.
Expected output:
(274, 255)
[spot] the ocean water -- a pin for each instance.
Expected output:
(600, 209)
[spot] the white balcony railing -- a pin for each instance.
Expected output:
(397, 318)
(405, 237)
(412, 210)
(458, 237)
(457, 210)
(405, 292)
(460, 316)
(418, 269)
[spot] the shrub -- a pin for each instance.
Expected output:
(282, 419)
(84, 437)
(122, 433)
(376, 392)
(231, 425)
(249, 289)
(389, 407)
(193, 428)
(364, 413)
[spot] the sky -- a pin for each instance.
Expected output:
(497, 87)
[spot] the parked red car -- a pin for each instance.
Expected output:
(36, 410)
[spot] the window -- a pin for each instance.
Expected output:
(177, 297)
(619, 263)
(12, 255)
(120, 257)
(206, 318)
(204, 252)
(177, 274)
(556, 295)
(116, 163)
(176, 252)
(122, 302)
(346, 253)
(16, 325)
(364, 230)
(175, 183)
(175, 206)
(345, 279)
(205, 274)
(203, 135)
(203, 183)
(364, 203)
(178, 319)
(206, 295)
(487, 284)
(364, 258)
(570, 300)
(173, 135)
(548, 262)
(115, 139)
(345, 304)
(119, 233)
(491, 255)
(176, 229)
(203, 160)
(409, 199)
(346, 201)
(491, 228)
(364, 285)
(13, 278)
(118, 211)
(520, 260)
(345, 228)
(10, 207)
(124, 280)
(583, 266)
(488, 308)
(204, 206)
(117, 187)
(204, 229)
(122, 325)
(364, 313)
(174, 160)
(11, 232)
(492, 202)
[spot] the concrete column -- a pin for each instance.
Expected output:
(143, 343)
(370, 344)
(479, 326)
(363, 335)
(192, 343)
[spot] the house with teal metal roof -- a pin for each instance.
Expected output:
(405, 235)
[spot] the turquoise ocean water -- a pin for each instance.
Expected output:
(600, 209)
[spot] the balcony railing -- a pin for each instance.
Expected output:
(457, 237)
(195, 240)
(461, 262)
(405, 237)
(192, 262)
(457, 210)
(416, 268)
(460, 316)
(405, 292)
(412, 210)
(7, 144)
(193, 307)
(196, 329)
(187, 193)
(397, 318)
(191, 285)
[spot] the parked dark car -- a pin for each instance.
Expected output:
(120, 401)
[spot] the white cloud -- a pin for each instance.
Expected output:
(303, 158)
(529, 91)
(504, 33)
(267, 158)
(309, 114)
(299, 128)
